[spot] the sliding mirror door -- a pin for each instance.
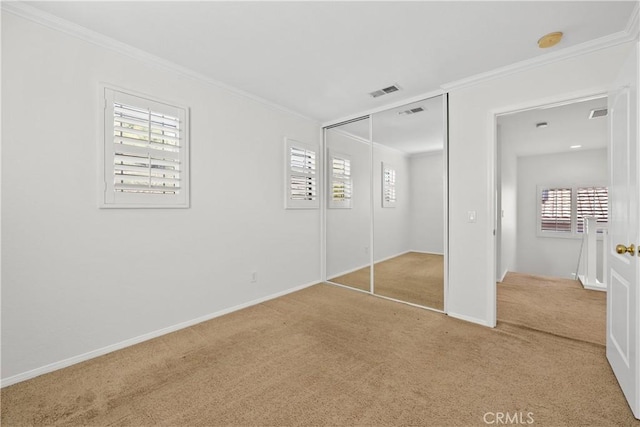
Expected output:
(348, 203)
(409, 202)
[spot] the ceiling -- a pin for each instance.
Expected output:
(321, 59)
(567, 125)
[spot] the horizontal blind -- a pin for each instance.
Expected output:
(555, 210)
(591, 202)
(146, 151)
(302, 169)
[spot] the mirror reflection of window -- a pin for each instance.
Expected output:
(388, 187)
(341, 185)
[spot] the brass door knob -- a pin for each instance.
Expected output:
(621, 249)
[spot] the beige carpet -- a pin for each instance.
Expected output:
(330, 356)
(557, 306)
(413, 277)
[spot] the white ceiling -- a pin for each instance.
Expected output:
(567, 125)
(321, 59)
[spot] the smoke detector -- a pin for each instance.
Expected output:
(384, 91)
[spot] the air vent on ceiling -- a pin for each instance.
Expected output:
(411, 111)
(598, 112)
(384, 91)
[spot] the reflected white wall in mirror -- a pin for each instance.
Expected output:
(348, 223)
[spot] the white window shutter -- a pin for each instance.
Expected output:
(145, 152)
(301, 175)
(591, 202)
(555, 210)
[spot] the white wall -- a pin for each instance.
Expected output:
(552, 256)
(427, 203)
(391, 225)
(471, 293)
(75, 278)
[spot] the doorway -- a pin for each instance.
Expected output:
(552, 205)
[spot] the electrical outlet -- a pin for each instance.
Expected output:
(254, 277)
(366, 250)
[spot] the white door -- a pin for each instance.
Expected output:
(623, 297)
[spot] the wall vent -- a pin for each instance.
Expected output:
(412, 111)
(598, 112)
(384, 91)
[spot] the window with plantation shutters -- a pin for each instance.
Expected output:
(301, 186)
(388, 186)
(145, 152)
(555, 210)
(340, 181)
(591, 202)
(562, 210)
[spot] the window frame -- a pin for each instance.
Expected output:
(573, 233)
(290, 203)
(108, 198)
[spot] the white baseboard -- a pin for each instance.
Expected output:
(4, 382)
(470, 319)
(391, 256)
(504, 274)
(342, 273)
(427, 252)
(592, 286)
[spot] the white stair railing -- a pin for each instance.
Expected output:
(589, 260)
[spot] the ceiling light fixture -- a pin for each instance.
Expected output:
(576, 146)
(549, 40)
(542, 125)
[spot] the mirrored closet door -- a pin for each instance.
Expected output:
(348, 204)
(408, 202)
(386, 203)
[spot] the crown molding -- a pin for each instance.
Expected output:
(23, 10)
(630, 33)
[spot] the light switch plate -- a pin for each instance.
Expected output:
(471, 216)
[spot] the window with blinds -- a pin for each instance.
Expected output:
(145, 150)
(388, 186)
(591, 202)
(562, 210)
(555, 210)
(301, 184)
(340, 181)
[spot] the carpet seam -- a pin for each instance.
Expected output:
(529, 328)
